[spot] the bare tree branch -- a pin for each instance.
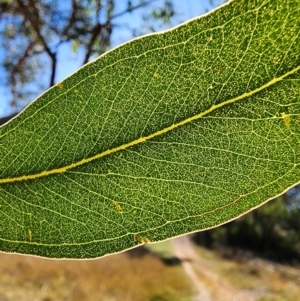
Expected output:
(17, 69)
(95, 32)
(132, 8)
(35, 25)
(72, 20)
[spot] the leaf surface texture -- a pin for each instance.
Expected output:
(168, 134)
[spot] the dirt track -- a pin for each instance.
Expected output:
(208, 285)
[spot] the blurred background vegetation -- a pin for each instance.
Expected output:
(43, 41)
(36, 37)
(271, 231)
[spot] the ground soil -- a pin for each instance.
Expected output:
(178, 271)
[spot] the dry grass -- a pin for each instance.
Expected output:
(250, 276)
(127, 276)
(139, 275)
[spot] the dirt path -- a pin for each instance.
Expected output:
(184, 251)
(208, 285)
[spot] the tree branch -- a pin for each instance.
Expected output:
(17, 69)
(35, 25)
(108, 26)
(95, 32)
(143, 4)
(72, 20)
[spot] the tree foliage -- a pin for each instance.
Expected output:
(271, 231)
(34, 32)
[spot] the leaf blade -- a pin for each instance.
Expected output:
(171, 97)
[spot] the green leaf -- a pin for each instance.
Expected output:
(168, 134)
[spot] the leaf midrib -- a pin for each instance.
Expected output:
(151, 136)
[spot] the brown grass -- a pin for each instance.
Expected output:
(123, 277)
(138, 275)
(250, 276)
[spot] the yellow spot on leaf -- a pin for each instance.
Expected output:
(30, 235)
(144, 240)
(139, 239)
(136, 238)
(117, 206)
(221, 69)
(156, 75)
(286, 119)
(75, 91)
(60, 85)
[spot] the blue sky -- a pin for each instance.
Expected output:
(68, 61)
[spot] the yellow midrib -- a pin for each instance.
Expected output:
(151, 136)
